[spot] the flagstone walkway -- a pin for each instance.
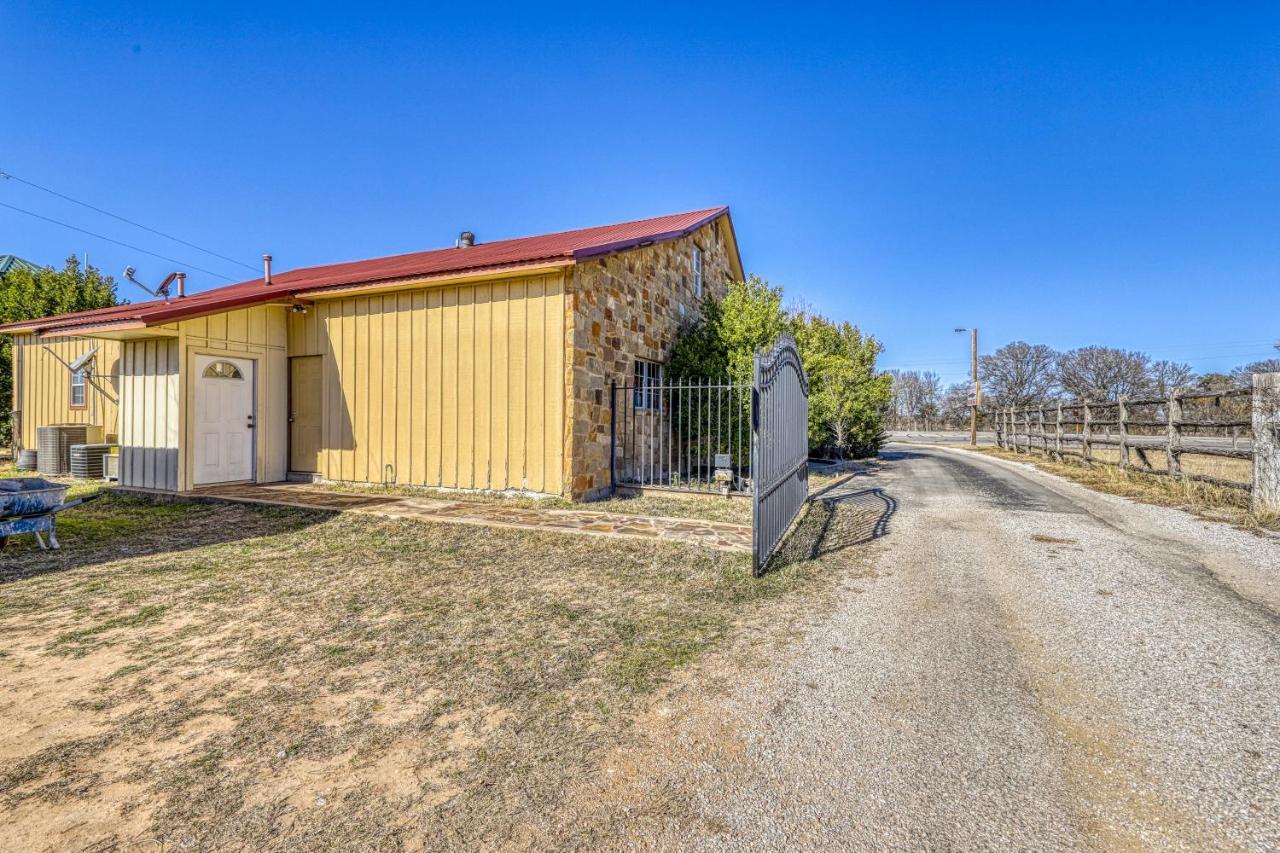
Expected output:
(719, 536)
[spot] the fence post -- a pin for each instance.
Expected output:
(1086, 431)
(1057, 434)
(1173, 450)
(1044, 433)
(613, 437)
(1122, 415)
(1266, 441)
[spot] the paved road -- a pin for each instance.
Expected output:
(1032, 665)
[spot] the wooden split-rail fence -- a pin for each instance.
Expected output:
(1239, 424)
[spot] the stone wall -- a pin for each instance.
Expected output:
(622, 307)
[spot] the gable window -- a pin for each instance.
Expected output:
(697, 271)
(78, 385)
(648, 378)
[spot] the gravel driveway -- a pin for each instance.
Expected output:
(1030, 665)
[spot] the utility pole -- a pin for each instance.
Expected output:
(976, 391)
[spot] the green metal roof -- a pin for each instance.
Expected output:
(8, 262)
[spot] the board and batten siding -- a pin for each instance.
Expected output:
(452, 386)
(42, 385)
(149, 414)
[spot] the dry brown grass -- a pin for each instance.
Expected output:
(1211, 501)
(208, 676)
(1239, 470)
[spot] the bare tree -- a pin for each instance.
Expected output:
(1017, 374)
(917, 399)
(1243, 375)
(1102, 373)
(955, 406)
(1164, 376)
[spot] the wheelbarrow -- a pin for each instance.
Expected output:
(31, 505)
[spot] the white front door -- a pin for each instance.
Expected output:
(224, 419)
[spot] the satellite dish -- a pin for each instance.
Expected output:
(80, 362)
(161, 292)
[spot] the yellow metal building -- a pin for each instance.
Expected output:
(477, 367)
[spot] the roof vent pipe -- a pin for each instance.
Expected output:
(466, 240)
(266, 269)
(182, 284)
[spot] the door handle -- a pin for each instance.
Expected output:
(250, 423)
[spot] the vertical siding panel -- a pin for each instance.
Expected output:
(553, 399)
(149, 414)
(466, 367)
(390, 381)
(517, 385)
(435, 387)
(420, 354)
(238, 326)
(483, 396)
(217, 326)
(162, 416)
(257, 319)
(449, 389)
(135, 414)
(498, 463)
(403, 318)
(348, 411)
(360, 407)
(334, 404)
(535, 448)
(126, 414)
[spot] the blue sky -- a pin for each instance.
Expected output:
(1103, 173)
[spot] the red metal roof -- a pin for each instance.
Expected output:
(564, 245)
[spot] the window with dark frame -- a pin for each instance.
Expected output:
(78, 385)
(648, 376)
(697, 271)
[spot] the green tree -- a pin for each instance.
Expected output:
(26, 294)
(722, 343)
(847, 396)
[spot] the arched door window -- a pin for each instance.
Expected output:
(222, 370)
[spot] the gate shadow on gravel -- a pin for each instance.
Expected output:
(834, 522)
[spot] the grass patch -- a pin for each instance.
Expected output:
(1208, 500)
(268, 677)
(79, 640)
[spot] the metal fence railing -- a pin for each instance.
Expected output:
(684, 436)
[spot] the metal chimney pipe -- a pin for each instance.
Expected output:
(182, 284)
(266, 269)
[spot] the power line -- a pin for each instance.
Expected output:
(12, 177)
(118, 242)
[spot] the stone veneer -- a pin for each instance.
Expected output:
(622, 307)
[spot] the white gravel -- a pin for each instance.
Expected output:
(1033, 665)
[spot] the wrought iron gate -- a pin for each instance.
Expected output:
(780, 445)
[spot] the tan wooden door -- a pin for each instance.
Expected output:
(304, 413)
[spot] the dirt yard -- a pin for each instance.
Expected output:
(205, 676)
